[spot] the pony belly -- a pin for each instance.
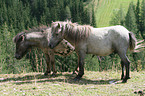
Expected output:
(100, 47)
(100, 51)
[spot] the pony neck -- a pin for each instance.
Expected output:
(72, 41)
(69, 36)
(76, 33)
(37, 39)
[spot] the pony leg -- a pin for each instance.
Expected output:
(81, 57)
(48, 65)
(122, 65)
(52, 60)
(126, 62)
(76, 69)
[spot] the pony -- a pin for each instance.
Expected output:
(39, 38)
(98, 41)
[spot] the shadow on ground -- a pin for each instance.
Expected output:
(66, 78)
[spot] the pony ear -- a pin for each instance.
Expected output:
(17, 39)
(23, 37)
(59, 26)
(14, 39)
(66, 25)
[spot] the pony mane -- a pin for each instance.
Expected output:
(41, 28)
(37, 29)
(74, 30)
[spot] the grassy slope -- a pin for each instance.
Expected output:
(92, 84)
(105, 9)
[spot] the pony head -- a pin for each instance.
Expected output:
(22, 45)
(72, 32)
(57, 34)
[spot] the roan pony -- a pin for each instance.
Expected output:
(39, 38)
(97, 41)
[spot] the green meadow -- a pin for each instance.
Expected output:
(105, 9)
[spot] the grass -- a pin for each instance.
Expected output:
(104, 11)
(92, 84)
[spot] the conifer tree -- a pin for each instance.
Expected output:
(4, 16)
(43, 19)
(34, 22)
(142, 25)
(93, 23)
(27, 16)
(7, 50)
(75, 11)
(67, 13)
(137, 13)
(118, 18)
(46, 12)
(86, 18)
(130, 19)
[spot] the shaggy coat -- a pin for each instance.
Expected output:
(39, 38)
(97, 41)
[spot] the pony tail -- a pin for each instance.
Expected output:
(134, 45)
(132, 41)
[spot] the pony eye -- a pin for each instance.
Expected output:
(20, 39)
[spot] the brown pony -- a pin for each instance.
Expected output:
(39, 38)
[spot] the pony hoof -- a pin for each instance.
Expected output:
(121, 78)
(128, 78)
(45, 74)
(124, 81)
(53, 75)
(77, 78)
(74, 72)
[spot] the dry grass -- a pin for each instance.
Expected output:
(92, 84)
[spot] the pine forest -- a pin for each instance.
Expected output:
(20, 15)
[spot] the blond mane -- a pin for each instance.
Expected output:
(74, 30)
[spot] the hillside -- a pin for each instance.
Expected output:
(105, 8)
(92, 84)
